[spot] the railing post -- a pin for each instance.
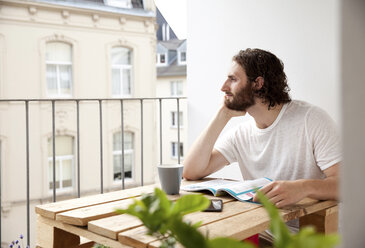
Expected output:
(141, 141)
(122, 133)
(54, 149)
(160, 103)
(178, 131)
(0, 193)
(27, 168)
(101, 147)
(78, 147)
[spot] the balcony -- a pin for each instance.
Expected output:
(56, 149)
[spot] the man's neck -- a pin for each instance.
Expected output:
(262, 115)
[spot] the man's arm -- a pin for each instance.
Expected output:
(202, 159)
(284, 193)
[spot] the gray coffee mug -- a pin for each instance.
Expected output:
(170, 177)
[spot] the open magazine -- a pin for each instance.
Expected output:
(241, 190)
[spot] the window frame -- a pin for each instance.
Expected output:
(59, 159)
(158, 59)
(58, 64)
(126, 151)
(179, 58)
(122, 67)
(173, 148)
(174, 88)
(174, 119)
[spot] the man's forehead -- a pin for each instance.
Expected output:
(236, 69)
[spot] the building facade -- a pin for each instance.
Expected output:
(171, 82)
(69, 50)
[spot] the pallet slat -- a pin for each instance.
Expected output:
(81, 216)
(111, 226)
(138, 236)
(52, 209)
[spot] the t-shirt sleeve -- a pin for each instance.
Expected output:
(324, 136)
(226, 146)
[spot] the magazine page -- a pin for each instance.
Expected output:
(244, 191)
(212, 185)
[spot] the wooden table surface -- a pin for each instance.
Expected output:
(62, 223)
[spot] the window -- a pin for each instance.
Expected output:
(64, 162)
(174, 118)
(165, 31)
(128, 155)
(59, 69)
(121, 71)
(182, 58)
(174, 150)
(119, 3)
(176, 88)
(161, 59)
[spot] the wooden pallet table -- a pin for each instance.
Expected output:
(61, 224)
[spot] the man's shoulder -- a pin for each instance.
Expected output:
(299, 107)
(309, 112)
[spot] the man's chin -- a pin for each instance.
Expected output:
(231, 106)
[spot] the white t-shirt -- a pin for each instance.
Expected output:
(301, 143)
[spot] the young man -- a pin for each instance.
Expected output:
(292, 142)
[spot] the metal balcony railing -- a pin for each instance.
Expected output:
(100, 103)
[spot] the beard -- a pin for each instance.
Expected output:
(242, 100)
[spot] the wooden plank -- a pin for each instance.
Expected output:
(257, 220)
(79, 231)
(81, 216)
(245, 225)
(50, 236)
(111, 226)
(325, 221)
(52, 209)
(304, 208)
(229, 209)
(138, 237)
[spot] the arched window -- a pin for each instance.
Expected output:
(121, 71)
(128, 155)
(59, 69)
(64, 162)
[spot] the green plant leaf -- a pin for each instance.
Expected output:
(197, 224)
(187, 235)
(228, 243)
(307, 237)
(282, 236)
(165, 203)
(189, 204)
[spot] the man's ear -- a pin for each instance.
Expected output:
(259, 82)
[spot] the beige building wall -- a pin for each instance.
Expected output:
(25, 29)
(169, 132)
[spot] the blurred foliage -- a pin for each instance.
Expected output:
(306, 237)
(164, 220)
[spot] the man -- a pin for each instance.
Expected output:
(292, 142)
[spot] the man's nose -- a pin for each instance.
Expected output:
(225, 86)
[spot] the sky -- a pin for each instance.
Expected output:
(174, 12)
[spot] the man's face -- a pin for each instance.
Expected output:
(239, 95)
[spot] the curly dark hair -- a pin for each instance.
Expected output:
(260, 63)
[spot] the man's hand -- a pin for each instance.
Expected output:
(283, 193)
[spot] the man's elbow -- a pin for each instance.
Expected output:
(189, 174)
